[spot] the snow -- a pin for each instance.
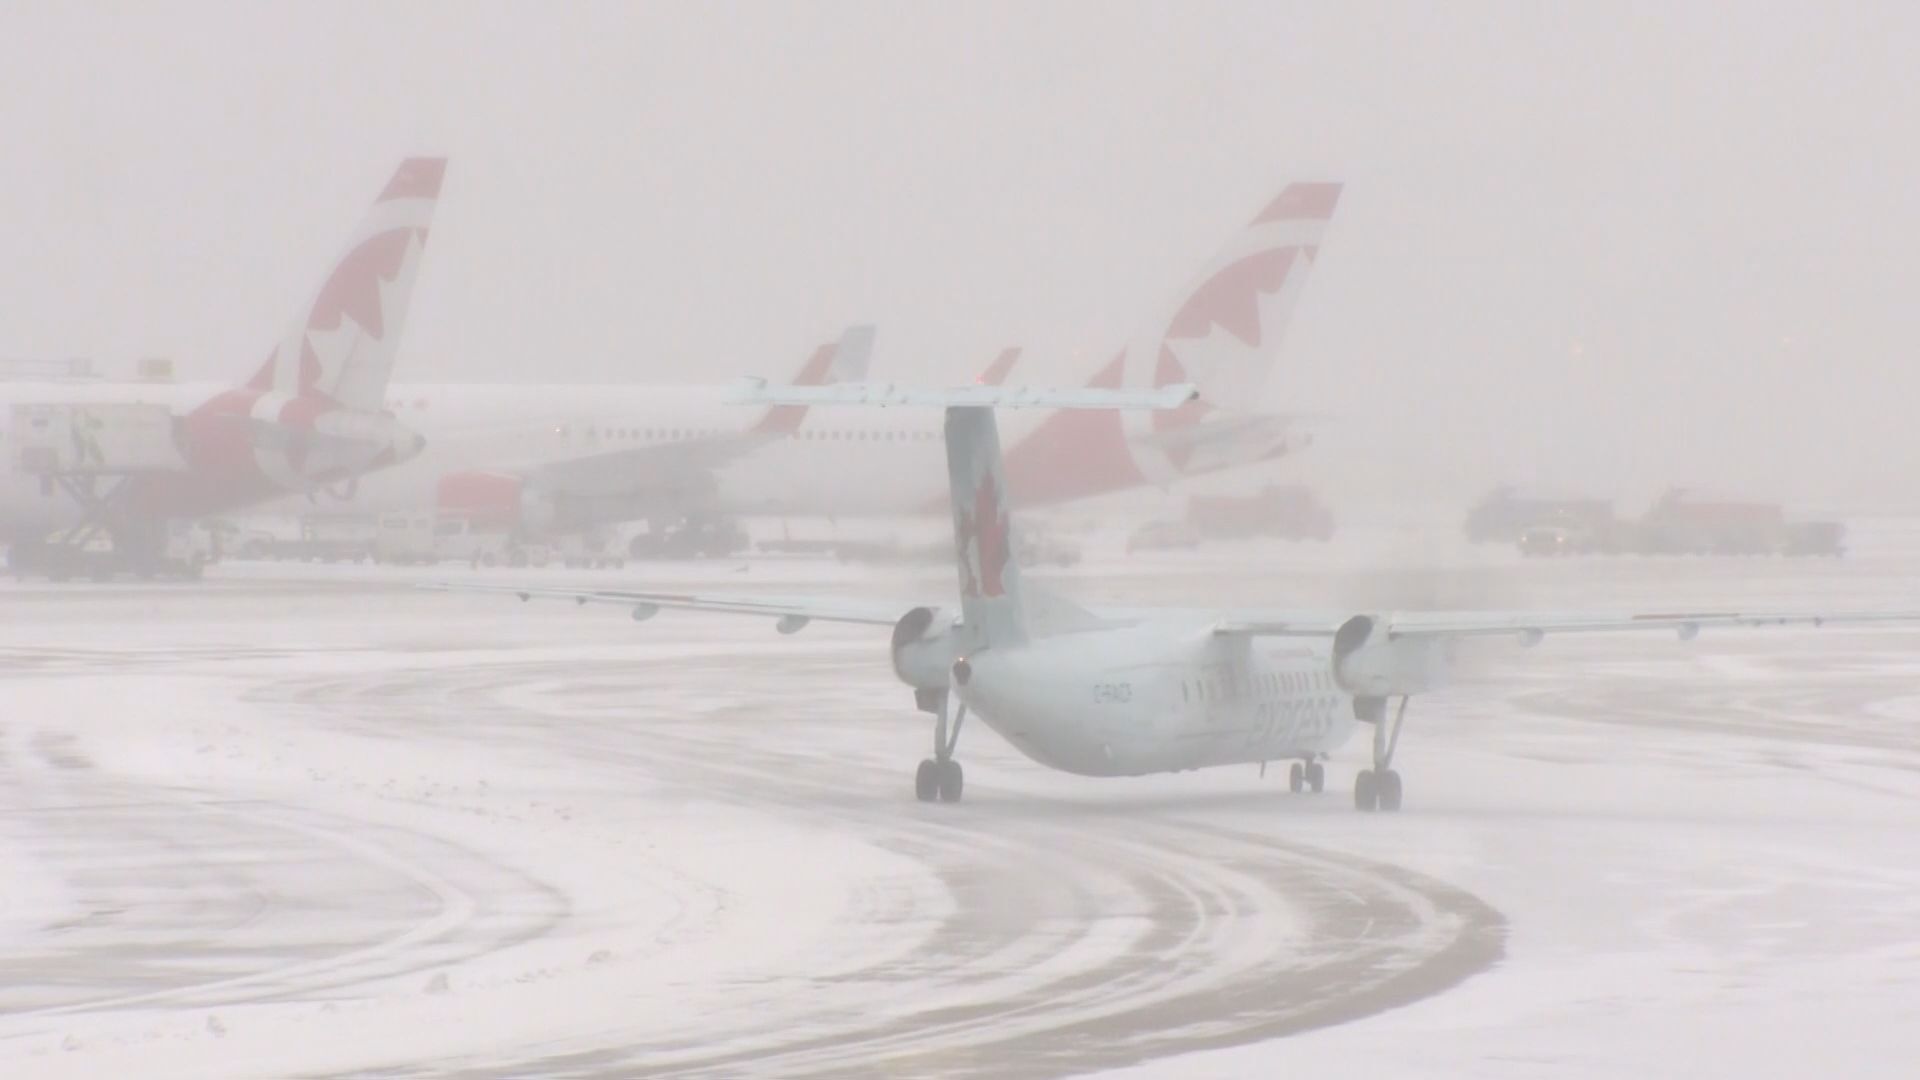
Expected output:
(310, 821)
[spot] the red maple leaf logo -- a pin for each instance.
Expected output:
(1231, 298)
(986, 529)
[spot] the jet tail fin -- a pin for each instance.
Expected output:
(344, 348)
(853, 355)
(1225, 328)
(1002, 366)
(836, 362)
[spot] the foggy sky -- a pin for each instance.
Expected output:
(1604, 246)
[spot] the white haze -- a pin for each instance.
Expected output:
(1606, 246)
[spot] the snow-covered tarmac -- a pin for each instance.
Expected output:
(293, 822)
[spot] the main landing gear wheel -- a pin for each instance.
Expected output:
(1387, 785)
(1297, 778)
(1378, 788)
(1316, 777)
(952, 779)
(1376, 791)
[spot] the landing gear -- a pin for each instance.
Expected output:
(1306, 776)
(940, 776)
(1378, 788)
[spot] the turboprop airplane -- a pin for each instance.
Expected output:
(1127, 694)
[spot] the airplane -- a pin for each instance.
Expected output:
(581, 462)
(574, 456)
(1134, 693)
(125, 458)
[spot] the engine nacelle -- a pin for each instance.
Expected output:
(1368, 663)
(926, 642)
(365, 440)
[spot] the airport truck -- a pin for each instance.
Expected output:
(1506, 512)
(1683, 522)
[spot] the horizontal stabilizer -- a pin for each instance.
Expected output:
(887, 395)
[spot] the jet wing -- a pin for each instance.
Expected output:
(659, 467)
(1531, 626)
(791, 613)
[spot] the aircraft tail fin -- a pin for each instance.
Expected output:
(1002, 366)
(344, 347)
(983, 528)
(1222, 334)
(842, 361)
(1224, 331)
(853, 355)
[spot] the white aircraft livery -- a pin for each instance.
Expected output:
(1126, 694)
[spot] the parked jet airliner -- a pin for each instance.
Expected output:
(1125, 694)
(313, 415)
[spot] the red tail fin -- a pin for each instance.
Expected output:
(844, 360)
(1002, 366)
(1222, 333)
(344, 348)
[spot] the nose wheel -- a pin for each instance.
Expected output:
(1306, 776)
(939, 781)
(940, 778)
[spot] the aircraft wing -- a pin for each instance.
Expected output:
(791, 613)
(659, 467)
(1531, 626)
